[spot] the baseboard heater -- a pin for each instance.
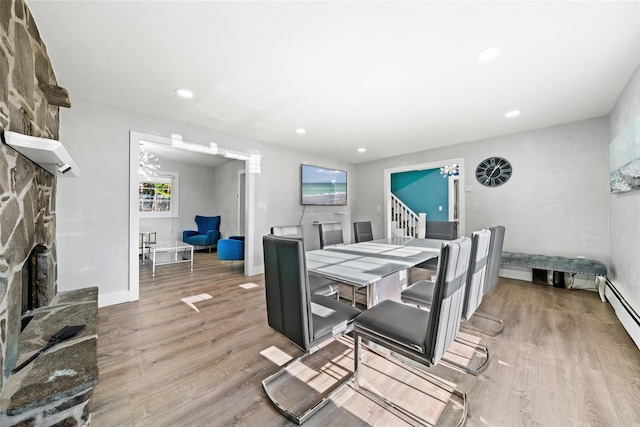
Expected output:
(626, 314)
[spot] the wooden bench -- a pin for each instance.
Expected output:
(572, 266)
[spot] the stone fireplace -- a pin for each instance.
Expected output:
(38, 285)
(56, 388)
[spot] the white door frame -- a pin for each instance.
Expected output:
(242, 199)
(250, 268)
(423, 166)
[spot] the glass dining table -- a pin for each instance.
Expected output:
(382, 267)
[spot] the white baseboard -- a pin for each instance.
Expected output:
(257, 269)
(580, 281)
(518, 273)
(113, 298)
(627, 314)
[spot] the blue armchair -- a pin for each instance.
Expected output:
(208, 232)
(231, 249)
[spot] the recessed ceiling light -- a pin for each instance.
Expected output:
(301, 131)
(184, 93)
(361, 150)
(511, 114)
(489, 53)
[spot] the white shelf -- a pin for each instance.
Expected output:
(49, 154)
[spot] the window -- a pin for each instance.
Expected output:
(158, 196)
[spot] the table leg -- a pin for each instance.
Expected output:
(153, 261)
(191, 258)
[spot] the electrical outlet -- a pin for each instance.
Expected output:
(440, 208)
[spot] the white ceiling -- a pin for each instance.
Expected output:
(394, 77)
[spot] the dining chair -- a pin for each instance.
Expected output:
(330, 234)
(420, 335)
(304, 319)
(493, 268)
(318, 285)
(421, 293)
(362, 231)
(441, 230)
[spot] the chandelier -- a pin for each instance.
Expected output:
(148, 164)
(450, 170)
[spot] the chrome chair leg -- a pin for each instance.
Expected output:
(470, 327)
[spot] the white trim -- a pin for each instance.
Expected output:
(452, 201)
(242, 196)
(113, 298)
(251, 268)
(134, 226)
(627, 319)
(134, 223)
(518, 273)
(424, 166)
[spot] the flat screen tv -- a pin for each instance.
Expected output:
(323, 186)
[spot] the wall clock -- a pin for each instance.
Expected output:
(493, 171)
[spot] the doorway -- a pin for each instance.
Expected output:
(181, 148)
(456, 199)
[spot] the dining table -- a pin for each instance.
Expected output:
(380, 267)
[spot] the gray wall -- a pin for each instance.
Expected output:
(93, 209)
(625, 207)
(556, 202)
(225, 198)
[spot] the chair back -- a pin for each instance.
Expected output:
(288, 230)
(330, 234)
(448, 297)
(362, 231)
(443, 230)
(476, 273)
(206, 223)
(495, 258)
(287, 289)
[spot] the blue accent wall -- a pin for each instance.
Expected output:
(423, 191)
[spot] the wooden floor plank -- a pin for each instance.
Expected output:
(562, 360)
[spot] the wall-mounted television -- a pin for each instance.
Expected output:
(323, 186)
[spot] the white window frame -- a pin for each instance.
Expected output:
(165, 176)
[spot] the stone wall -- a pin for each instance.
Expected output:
(27, 192)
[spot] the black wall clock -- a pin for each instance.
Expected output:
(493, 171)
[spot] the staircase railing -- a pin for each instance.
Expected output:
(405, 222)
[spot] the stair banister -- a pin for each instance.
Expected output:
(402, 221)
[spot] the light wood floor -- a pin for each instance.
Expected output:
(563, 359)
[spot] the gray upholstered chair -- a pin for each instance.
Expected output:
(421, 293)
(362, 231)
(420, 335)
(318, 285)
(441, 230)
(495, 257)
(304, 319)
(330, 234)
(491, 280)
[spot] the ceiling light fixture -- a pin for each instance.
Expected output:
(147, 165)
(512, 114)
(450, 170)
(301, 131)
(362, 150)
(184, 93)
(489, 53)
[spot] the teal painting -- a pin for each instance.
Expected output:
(624, 159)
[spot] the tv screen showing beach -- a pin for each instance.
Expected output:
(323, 186)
